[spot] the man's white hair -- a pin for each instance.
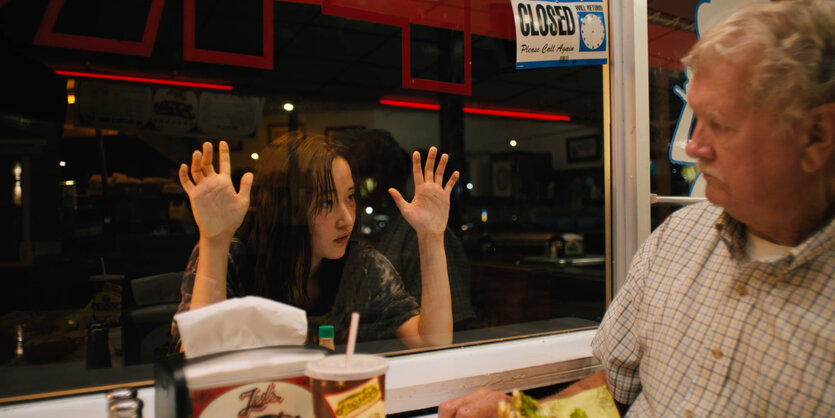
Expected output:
(790, 46)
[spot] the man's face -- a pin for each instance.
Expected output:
(751, 168)
(331, 227)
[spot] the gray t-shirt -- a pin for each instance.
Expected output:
(362, 281)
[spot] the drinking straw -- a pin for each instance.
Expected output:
(352, 337)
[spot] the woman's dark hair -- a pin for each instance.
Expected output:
(293, 178)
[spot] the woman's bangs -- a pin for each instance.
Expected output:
(324, 190)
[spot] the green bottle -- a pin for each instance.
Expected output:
(326, 337)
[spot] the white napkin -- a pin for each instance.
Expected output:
(240, 323)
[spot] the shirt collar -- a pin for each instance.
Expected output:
(732, 233)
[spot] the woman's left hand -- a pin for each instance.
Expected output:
(428, 211)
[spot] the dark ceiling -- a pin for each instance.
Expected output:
(319, 58)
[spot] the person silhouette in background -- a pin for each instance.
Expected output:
(380, 163)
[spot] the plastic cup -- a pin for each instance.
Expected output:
(355, 389)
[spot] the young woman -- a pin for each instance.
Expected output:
(286, 235)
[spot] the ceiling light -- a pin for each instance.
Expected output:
(289, 107)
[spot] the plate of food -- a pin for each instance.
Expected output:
(591, 403)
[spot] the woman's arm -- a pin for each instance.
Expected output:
(218, 211)
(428, 213)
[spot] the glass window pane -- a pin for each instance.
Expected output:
(671, 31)
(101, 230)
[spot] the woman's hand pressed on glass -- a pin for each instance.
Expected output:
(429, 209)
(218, 209)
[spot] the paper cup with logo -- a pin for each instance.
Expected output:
(356, 389)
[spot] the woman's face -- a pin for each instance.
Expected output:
(331, 226)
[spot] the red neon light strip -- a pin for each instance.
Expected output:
(517, 114)
(480, 111)
(145, 80)
(413, 105)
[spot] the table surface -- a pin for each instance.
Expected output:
(414, 382)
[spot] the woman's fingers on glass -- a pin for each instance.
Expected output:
(439, 172)
(206, 162)
(246, 184)
(196, 172)
(417, 172)
(428, 172)
(184, 180)
(224, 166)
(398, 198)
(451, 182)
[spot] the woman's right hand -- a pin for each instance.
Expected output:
(218, 209)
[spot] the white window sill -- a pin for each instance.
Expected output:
(424, 380)
(415, 381)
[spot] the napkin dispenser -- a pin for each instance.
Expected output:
(264, 381)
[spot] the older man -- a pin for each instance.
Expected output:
(729, 306)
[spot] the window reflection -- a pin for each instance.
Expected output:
(672, 31)
(99, 242)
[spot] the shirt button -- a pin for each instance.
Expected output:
(741, 289)
(688, 414)
(716, 353)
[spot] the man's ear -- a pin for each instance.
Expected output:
(820, 137)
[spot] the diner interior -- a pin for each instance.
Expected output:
(100, 108)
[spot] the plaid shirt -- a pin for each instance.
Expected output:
(699, 330)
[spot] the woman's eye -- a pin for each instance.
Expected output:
(327, 204)
(350, 197)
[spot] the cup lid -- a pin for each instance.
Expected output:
(360, 366)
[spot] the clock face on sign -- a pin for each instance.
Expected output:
(592, 31)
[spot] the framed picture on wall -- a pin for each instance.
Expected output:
(332, 132)
(583, 149)
(502, 178)
(276, 130)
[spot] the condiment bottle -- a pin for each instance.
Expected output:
(98, 350)
(125, 408)
(117, 394)
(122, 403)
(326, 337)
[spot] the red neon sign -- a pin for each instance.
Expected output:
(480, 111)
(144, 80)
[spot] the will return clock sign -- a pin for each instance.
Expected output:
(592, 32)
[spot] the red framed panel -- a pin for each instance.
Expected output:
(455, 15)
(46, 36)
(403, 14)
(667, 46)
(192, 53)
